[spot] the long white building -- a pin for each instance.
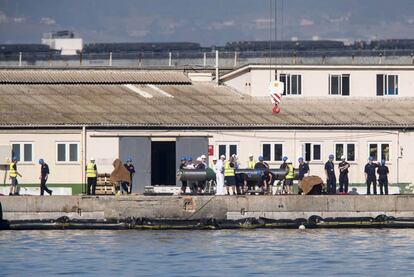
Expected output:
(66, 116)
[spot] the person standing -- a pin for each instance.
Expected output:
(343, 175)
(220, 175)
(250, 162)
(131, 168)
(200, 184)
(383, 172)
(204, 161)
(44, 174)
(92, 175)
(330, 175)
(230, 176)
(303, 169)
(13, 173)
(370, 176)
(288, 184)
(183, 164)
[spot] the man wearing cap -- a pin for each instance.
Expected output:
(200, 184)
(250, 162)
(13, 173)
(131, 168)
(330, 175)
(220, 175)
(370, 176)
(92, 175)
(204, 161)
(290, 176)
(303, 169)
(44, 174)
(383, 177)
(343, 175)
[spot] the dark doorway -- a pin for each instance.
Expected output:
(163, 163)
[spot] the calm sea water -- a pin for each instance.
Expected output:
(365, 252)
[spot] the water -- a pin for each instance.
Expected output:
(344, 252)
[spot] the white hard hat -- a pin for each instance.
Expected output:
(199, 159)
(92, 158)
(203, 157)
(222, 157)
(343, 158)
(251, 155)
(214, 159)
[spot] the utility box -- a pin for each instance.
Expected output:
(5, 154)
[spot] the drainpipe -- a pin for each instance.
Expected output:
(169, 59)
(83, 162)
(217, 68)
(20, 58)
(398, 157)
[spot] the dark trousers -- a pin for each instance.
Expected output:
(371, 180)
(343, 183)
(125, 187)
(331, 184)
(383, 183)
(91, 185)
(43, 187)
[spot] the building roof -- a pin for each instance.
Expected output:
(95, 76)
(198, 105)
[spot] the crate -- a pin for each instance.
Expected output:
(104, 186)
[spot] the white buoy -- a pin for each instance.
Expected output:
(302, 227)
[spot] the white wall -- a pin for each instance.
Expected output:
(104, 149)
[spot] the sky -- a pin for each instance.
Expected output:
(209, 22)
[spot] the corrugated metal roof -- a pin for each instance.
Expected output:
(98, 76)
(200, 105)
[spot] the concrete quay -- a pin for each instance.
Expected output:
(204, 207)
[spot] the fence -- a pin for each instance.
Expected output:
(206, 59)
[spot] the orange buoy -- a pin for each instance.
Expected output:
(276, 110)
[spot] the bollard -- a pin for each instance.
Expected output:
(20, 58)
(169, 59)
(110, 58)
(235, 59)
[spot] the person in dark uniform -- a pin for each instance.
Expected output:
(262, 165)
(330, 175)
(131, 168)
(303, 169)
(370, 176)
(200, 184)
(343, 175)
(183, 165)
(44, 174)
(383, 177)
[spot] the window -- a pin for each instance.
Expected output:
(23, 151)
(345, 149)
(379, 151)
(293, 84)
(339, 84)
(312, 152)
(272, 151)
(227, 149)
(67, 152)
(387, 84)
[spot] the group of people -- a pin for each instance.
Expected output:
(91, 174)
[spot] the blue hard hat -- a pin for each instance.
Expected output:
(183, 158)
(129, 159)
(331, 156)
(261, 158)
(382, 162)
(189, 159)
(41, 161)
(300, 159)
(285, 158)
(370, 158)
(14, 158)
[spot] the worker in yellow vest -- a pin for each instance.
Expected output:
(92, 175)
(251, 163)
(230, 175)
(13, 173)
(290, 176)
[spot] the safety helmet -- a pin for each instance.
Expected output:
(285, 158)
(203, 157)
(183, 158)
(370, 158)
(331, 156)
(92, 159)
(382, 162)
(261, 158)
(14, 159)
(214, 159)
(251, 155)
(189, 159)
(199, 159)
(300, 159)
(343, 158)
(41, 161)
(223, 157)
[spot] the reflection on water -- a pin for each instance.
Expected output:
(366, 252)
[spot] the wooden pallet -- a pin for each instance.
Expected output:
(104, 186)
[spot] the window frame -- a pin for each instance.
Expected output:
(312, 150)
(340, 84)
(227, 144)
(21, 154)
(379, 150)
(67, 152)
(385, 84)
(345, 150)
(272, 150)
(288, 84)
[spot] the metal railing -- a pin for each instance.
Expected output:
(207, 59)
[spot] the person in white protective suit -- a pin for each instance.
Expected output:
(220, 175)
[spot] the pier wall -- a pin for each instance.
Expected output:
(204, 207)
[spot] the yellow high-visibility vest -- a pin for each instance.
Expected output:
(90, 170)
(12, 172)
(228, 170)
(291, 174)
(251, 164)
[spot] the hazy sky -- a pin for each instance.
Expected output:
(208, 22)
